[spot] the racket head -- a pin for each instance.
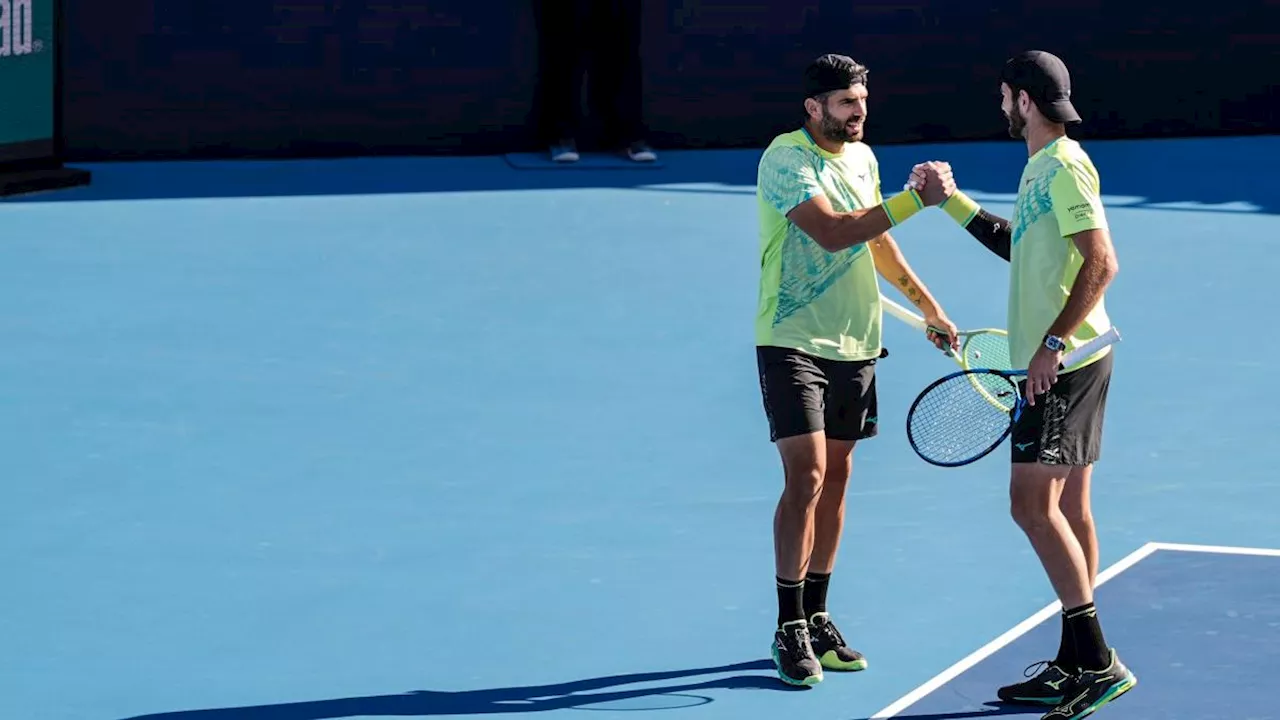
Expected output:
(984, 348)
(950, 425)
(987, 349)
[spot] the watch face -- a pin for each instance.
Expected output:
(1054, 343)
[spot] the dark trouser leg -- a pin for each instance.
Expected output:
(617, 71)
(563, 37)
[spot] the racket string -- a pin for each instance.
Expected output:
(987, 350)
(962, 417)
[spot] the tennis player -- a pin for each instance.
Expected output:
(823, 238)
(1061, 263)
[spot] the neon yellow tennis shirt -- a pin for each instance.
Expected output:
(1058, 196)
(821, 303)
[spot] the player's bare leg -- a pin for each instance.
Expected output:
(828, 644)
(1097, 677)
(804, 463)
(829, 515)
(1034, 493)
(1076, 506)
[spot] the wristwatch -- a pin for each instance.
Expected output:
(1054, 343)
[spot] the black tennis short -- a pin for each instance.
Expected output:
(1064, 427)
(803, 394)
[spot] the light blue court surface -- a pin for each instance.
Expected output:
(442, 437)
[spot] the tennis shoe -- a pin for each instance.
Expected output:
(1047, 687)
(793, 655)
(1092, 689)
(829, 645)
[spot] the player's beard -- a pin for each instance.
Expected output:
(836, 130)
(1017, 123)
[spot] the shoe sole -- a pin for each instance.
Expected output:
(806, 682)
(1051, 701)
(835, 664)
(1116, 691)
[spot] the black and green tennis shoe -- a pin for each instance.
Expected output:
(829, 645)
(1047, 687)
(1091, 689)
(802, 649)
(793, 655)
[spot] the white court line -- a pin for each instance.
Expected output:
(1048, 611)
(1009, 636)
(1219, 549)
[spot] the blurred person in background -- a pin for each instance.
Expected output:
(599, 39)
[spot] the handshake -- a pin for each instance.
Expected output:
(932, 181)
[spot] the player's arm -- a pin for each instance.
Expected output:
(990, 230)
(836, 231)
(892, 265)
(1096, 273)
(1079, 212)
(788, 182)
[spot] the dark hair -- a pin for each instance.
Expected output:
(830, 73)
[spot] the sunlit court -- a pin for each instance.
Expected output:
(448, 436)
(364, 360)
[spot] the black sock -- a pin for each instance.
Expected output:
(790, 601)
(1091, 651)
(1066, 648)
(815, 592)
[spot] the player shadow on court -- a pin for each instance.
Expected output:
(536, 698)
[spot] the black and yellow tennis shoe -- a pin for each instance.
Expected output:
(829, 645)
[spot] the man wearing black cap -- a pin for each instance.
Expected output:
(823, 239)
(1061, 262)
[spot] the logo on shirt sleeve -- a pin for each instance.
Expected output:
(1081, 212)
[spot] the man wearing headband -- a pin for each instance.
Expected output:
(1061, 262)
(824, 237)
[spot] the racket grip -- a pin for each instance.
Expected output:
(902, 313)
(1110, 337)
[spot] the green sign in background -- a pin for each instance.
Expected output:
(27, 57)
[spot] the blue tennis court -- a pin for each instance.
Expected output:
(445, 437)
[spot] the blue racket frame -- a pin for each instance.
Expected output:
(1108, 338)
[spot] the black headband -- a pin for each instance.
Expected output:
(829, 73)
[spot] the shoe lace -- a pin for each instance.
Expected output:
(829, 633)
(1036, 668)
(796, 637)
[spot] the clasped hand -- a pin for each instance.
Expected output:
(933, 181)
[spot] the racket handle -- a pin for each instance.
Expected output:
(902, 313)
(1110, 337)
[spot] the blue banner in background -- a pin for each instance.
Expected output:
(27, 64)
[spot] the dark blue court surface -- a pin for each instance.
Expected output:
(421, 437)
(1201, 630)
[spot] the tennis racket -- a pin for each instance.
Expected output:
(980, 348)
(950, 425)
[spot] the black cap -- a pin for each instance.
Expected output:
(833, 72)
(1044, 76)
